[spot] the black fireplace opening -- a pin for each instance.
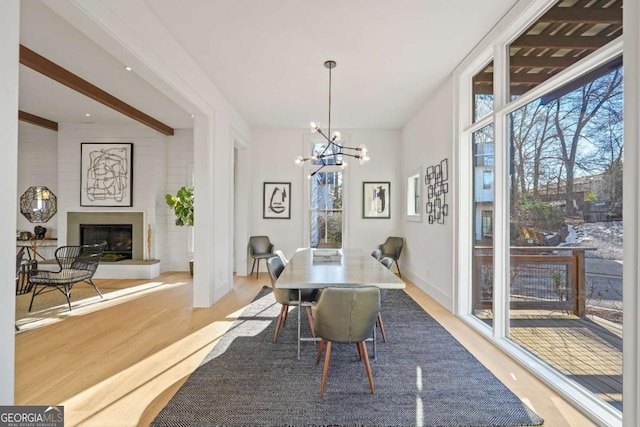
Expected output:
(119, 238)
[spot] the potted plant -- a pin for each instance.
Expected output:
(182, 205)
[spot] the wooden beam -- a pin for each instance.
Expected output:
(587, 15)
(562, 42)
(37, 120)
(52, 70)
(542, 61)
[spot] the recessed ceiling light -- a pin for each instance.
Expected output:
(192, 116)
(88, 115)
(127, 68)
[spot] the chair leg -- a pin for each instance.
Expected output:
(359, 352)
(67, 293)
(33, 294)
(381, 326)
(398, 267)
(367, 366)
(252, 267)
(280, 322)
(310, 319)
(320, 348)
(257, 268)
(89, 281)
(325, 369)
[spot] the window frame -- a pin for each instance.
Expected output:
(495, 47)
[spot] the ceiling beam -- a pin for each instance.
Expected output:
(562, 42)
(52, 70)
(37, 120)
(542, 61)
(587, 15)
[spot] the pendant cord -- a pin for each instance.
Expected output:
(329, 130)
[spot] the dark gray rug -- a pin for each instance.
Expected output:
(423, 377)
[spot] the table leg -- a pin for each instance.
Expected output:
(299, 312)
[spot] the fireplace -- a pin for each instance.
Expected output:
(109, 218)
(119, 238)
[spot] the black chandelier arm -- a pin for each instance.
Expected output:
(317, 170)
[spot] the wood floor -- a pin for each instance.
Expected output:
(117, 362)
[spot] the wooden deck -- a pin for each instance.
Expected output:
(588, 351)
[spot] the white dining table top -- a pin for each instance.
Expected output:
(355, 268)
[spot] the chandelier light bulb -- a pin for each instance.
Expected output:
(300, 161)
(336, 136)
(314, 127)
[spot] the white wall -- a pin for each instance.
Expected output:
(273, 154)
(428, 254)
(179, 161)
(9, 36)
(37, 165)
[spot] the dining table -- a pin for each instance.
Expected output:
(311, 268)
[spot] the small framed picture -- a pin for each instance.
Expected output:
(276, 200)
(106, 174)
(375, 199)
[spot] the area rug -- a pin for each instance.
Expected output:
(422, 375)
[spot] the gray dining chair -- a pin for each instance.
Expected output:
(392, 248)
(387, 262)
(346, 315)
(377, 253)
(288, 297)
(260, 247)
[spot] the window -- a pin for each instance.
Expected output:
(326, 195)
(487, 180)
(414, 203)
(483, 93)
(545, 165)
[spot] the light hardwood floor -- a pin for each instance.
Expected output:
(118, 362)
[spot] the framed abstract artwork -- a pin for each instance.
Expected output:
(375, 200)
(276, 200)
(106, 174)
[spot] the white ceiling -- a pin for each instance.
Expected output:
(267, 58)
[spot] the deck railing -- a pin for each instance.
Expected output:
(541, 277)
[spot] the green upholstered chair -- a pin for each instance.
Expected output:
(346, 315)
(288, 297)
(392, 248)
(260, 247)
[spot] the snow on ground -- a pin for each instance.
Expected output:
(606, 236)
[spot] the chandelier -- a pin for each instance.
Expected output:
(333, 153)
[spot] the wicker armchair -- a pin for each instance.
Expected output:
(76, 264)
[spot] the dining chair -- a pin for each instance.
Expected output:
(288, 297)
(282, 256)
(346, 315)
(387, 262)
(260, 247)
(75, 264)
(392, 248)
(19, 257)
(377, 253)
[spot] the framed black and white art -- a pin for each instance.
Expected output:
(276, 200)
(106, 174)
(375, 200)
